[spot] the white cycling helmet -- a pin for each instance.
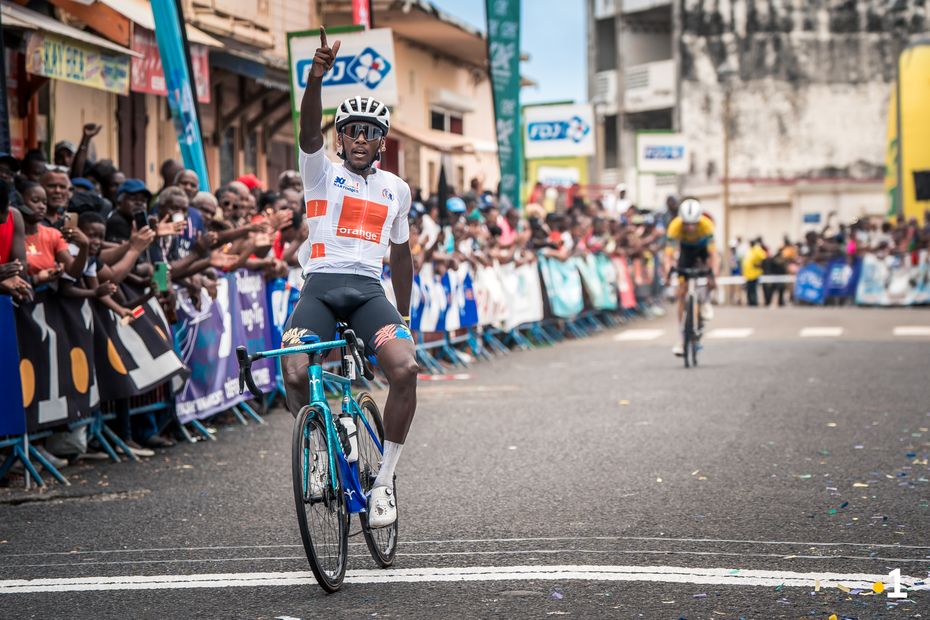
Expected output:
(363, 109)
(690, 211)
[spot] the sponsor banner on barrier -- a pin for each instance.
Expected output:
(563, 287)
(490, 296)
(207, 340)
(443, 303)
(12, 414)
(461, 308)
(55, 337)
(811, 284)
(899, 280)
(602, 291)
(524, 294)
(842, 278)
(135, 358)
(624, 283)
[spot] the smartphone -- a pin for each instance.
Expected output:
(70, 220)
(161, 276)
(140, 219)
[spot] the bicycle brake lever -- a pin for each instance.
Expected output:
(245, 372)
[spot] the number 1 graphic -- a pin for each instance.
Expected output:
(896, 584)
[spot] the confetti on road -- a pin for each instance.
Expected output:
(831, 424)
(624, 402)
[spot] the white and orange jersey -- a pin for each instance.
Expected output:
(351, 218)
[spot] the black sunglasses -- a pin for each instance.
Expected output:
(371, 132)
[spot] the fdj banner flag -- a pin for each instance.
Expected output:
(559, 130)
(364, 67)
(504, 56)
(174, 60)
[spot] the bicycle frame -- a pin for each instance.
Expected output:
(355, 497)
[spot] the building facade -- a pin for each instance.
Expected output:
(239, 52)
(782, 104)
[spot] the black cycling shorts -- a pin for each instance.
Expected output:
(692, 256)
(356, 300)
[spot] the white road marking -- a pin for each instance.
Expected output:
(498, 552)
(661, 574)
(639, 335)
(821, 332)
(468, 541)
(912, 330)
(731, 332)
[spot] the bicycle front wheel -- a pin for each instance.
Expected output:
(321, 509)
(382, 542)
(689, 331)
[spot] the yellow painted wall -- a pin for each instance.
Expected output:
(914, 141)
(74, 105)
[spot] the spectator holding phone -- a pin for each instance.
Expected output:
(47, 255)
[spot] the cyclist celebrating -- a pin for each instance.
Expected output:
(694, 233)
(354, 212)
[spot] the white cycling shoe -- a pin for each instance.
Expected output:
(707, 311)
(382, 507)
(678, 350)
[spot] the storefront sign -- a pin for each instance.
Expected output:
(148, 75)
(73, 61)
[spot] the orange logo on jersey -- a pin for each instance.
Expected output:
(361, 219)
(316, 208)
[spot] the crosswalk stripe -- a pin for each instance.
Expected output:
(821, 332)
(731, 332)
(639, 334)
(912, 330)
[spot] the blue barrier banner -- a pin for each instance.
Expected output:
(811, 284)
(461, 308)
(12, 414)
(175, 62)
(842, 278)
(563, 287)
(207, 339)
(897, 280)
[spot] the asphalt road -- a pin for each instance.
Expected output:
(597, 478)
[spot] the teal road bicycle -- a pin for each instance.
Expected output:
(329, 486)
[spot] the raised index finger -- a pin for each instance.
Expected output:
(322, 36)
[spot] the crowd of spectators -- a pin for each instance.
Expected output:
(476, 228)
(77, 228)
(80, 228)
(882, 237)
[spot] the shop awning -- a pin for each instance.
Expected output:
(436, 140)
(17, 16)
(140, 13)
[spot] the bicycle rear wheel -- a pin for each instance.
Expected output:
(382, 542)
(321, 511)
